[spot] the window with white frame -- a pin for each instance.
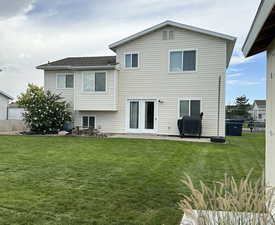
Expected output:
(65, 80)
(88, 121)
(181, 61)
(94, 81)
(189, 108)
(131, 60)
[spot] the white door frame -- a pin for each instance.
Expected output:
(142, 100)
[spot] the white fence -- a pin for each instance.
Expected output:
(15, 113)
(12, 125)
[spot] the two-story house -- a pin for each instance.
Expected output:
(258, 111)
(157, 76)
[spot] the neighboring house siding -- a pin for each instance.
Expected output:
(258, 113)
(152, 78)
(4, 101)
(15, 113)
(270, 126)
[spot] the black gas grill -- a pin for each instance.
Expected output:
(190, 126)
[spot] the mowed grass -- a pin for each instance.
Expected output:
(68, 180)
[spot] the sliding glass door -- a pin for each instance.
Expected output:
(142, 116)
(134, 114)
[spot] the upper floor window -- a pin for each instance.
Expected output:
(131, 60)
(189, 108)
(94, 81)
(182, 61)
(65, 81)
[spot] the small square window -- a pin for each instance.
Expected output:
(189, 108)
(65, 81)
(94, 81)
(88, 122)
(181, 61)
(131, 60)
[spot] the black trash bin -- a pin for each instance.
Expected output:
(234, 127)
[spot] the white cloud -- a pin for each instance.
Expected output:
(232, 75)
(27, 41)
(232, 82)
(237, 59)
(243, 83)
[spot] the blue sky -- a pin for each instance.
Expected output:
(36, 31)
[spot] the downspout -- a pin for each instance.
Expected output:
(219, 106)
(7, 112)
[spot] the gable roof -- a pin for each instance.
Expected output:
(230, 40)
(261, 32)
(6, 95)
(81, 62)
(260, 103)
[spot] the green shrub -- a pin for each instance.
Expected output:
(46, 112)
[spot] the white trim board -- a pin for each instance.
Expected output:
(262, 14)
(6, 95)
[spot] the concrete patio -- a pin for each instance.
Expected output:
(159, 137)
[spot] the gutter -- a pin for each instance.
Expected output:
(49, 67)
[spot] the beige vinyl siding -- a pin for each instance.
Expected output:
(50, 84)
(109, 122)
(153, 78)
(80, 100)
(270, 125)
(99, 101)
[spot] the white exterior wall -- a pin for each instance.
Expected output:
(4, 101)
(270, 126)
(256, 111)
(152, 80)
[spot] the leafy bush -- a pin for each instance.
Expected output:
(229, 203)
(46, 112)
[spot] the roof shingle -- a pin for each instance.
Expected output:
(82, 61)
(260, 103)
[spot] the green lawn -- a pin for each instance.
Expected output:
(68, 181)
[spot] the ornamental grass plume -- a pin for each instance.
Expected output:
(245, 202)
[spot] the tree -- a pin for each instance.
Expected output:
(242, 106)
(46, 112)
